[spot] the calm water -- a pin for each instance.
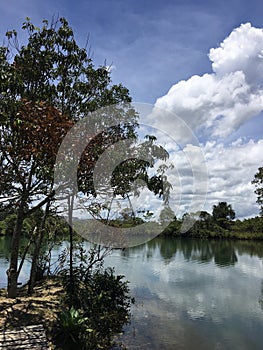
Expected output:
(190, 294)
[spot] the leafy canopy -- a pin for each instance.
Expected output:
(258, 182)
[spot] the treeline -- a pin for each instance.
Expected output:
(220, 224)
(55, 225)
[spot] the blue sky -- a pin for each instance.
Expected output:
(160, 50)
(151, 43)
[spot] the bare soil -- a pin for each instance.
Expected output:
(40, 308)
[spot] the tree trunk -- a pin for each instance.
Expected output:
(34, 264)
(35, 259)
(12, 273)
(70, 221)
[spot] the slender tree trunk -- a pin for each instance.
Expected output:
(70, 221)
(133, 213)
(25, 253)
(38, 243)
(12, 273)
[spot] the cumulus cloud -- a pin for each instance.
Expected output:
(220, 102)
(227, 174)
(242, 51)
(230, 171)
(213, 107)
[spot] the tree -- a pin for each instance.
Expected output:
(205, 220)
(223, 214)
(46, 86)
(30, 139)
(204, 215)
(258, 182)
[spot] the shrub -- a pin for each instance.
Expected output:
(98, 305)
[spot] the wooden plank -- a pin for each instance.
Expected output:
(30, 337)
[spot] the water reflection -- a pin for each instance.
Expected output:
(195, 294)
(222, 253)
(191, 294)
(261, 297)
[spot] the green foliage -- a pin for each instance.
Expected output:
(248, 226)
(206, 225)
(46, 86)
(8, 224)
(71, 319)
(223, 214)
(97, 301)
(258, 182)
(50, 70)
(127, 218)
(52, 67)
(131, 176)
(73, 327)
(173, 229)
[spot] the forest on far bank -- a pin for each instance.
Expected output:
(207, 226)
(221, 223)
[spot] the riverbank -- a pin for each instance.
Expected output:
(205, 234)
(40, 308)
(248, 229)
(101, 308)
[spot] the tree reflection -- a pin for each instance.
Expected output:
(203, 251)
(261, 297)
(222, 252)
(168, 251)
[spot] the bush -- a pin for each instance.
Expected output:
(98, 305)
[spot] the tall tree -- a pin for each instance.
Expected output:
(258, 182)
(223, 214)
(46, 86)
(29, 143)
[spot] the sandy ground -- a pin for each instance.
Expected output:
(40, 308)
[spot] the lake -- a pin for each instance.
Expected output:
(190, 293)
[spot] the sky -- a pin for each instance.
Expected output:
(199, 61)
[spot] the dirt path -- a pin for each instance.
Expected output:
(40, 308)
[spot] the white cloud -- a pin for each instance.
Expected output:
(213, 106)
(242, 51)
(220, 102)
(230, 171)
(224, 171)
